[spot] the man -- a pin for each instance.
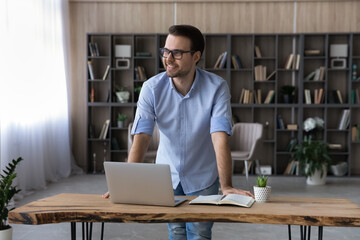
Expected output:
(191, 108)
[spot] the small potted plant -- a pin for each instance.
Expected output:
(262, 191)
(287, 93)
(122, 94)
(121, 120)
(7, 192)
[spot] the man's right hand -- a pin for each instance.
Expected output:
(106, 195)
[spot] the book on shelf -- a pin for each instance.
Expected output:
(297, 65)
(218, 60)
(355, 97)
(92, 95)
(258, 94)
(242, 95)
(235, 59)
(338, 93)
(355, 133)
(319, 74)
(257, 52)
(140, 73)
(292, 61)
(94, 49)
(318, 95)
(310, 76)
(104, 129)
(231, 199)
(289, 61)
(291, 145)
(307, 96)
(292, 168)
(270, 75)
(280, 122)
(260, 73)
(106, 73)
(269, 97)
(143, 54)
(91, 70)
(223, 61)
(344, 120)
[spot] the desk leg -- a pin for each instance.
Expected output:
(73, 230)
(320, 233)
(102, 230)
(289, 231)
(86, 234)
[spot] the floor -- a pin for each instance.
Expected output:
(281, 185)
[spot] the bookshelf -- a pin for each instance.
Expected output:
(308, 53)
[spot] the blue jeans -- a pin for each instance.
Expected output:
(193, 230)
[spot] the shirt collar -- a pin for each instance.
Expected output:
(193, 86)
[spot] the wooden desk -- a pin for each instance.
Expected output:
(280, 210)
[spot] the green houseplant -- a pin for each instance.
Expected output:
(261, 190)
(7, 192)
(287, 92)
(313, 154)
(121, 119)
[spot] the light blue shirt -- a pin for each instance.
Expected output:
(185, 124)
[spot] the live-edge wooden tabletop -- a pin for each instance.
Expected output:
(67, 207)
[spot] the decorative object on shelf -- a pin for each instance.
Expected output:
(287, 92)
(338, 53)
(122, 94)
(314, 127)
(312, 52)
(262, 191)
(7, 192)
(314, 159)
(339, 169)
(121, 120)
(354, 72)
(122, 55)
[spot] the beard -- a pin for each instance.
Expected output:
(176, 73)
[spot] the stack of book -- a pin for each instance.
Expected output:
(292, 62)
(221, 61)
(235, 59)
(316, 75)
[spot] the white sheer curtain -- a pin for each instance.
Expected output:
(34, 116)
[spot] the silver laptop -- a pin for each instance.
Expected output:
(140, 183)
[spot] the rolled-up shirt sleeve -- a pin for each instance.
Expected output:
(144, 121)
(221, 113)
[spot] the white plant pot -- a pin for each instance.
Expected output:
(316, 178)
(120, 124)
(6, 234)
(262, 194)
(123, 97)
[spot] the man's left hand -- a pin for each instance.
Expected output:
(237, 191)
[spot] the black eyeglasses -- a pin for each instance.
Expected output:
(177, 54)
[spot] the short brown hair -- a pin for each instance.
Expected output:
(190, 32)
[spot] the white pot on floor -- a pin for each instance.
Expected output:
(316, 178)
(6, 234)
